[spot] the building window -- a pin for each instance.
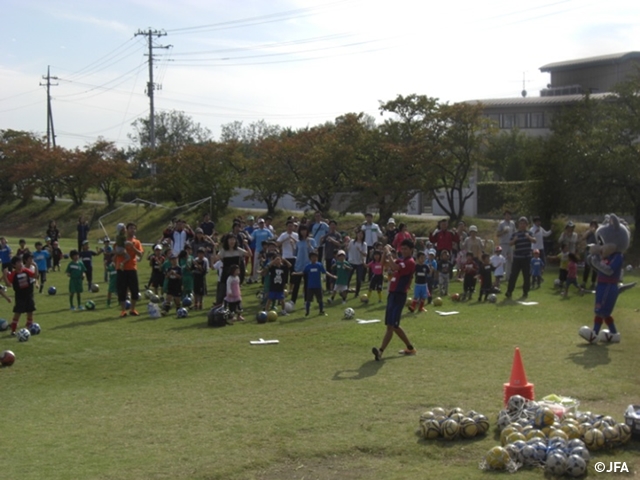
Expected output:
(521, 120)
(537, 120)
(508, 120)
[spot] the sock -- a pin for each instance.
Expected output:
(610, 324)
(597, 323)
(421, 304)
(380, 295)
(14, 325)
(413, 304)
(30, 322)
(321, 305)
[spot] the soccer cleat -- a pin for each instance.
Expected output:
(123, 313)
(377, 354)
(80, 307)
(407, 352)
(13, 334)
(134, 313)
(423, 310)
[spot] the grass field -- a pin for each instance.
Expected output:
(99, 397)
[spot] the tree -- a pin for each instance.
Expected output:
(20, 153)
(462, 152)
(510, 153)
(77, 175)
(173, 131)
(111, 168)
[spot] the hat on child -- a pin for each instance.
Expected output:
(341, 252)
(391, 220)
(473, 228)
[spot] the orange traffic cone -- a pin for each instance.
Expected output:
(518, 384)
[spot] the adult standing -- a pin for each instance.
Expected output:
(248, 230)
(401, 235)
(207, 225)
(318, 229)
(52, 231)
(304, 247)
(391, 231)
(357, 255)
(539, 234)
(287, 242)
(83, 230)
(372, 233)
(127, 277)
(5, 253)
(332, 242)
(506, 229)
(231, 255)
(181, 235)
(474, 244)
(569, 237)
(443, 238)
(521, 241)
(403, 270)
(259, 235)
(589, 238)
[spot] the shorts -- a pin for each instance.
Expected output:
(313, 292)
(75, 285)
(24, 305)
(340, 288)
(174, 287)
(376, 283)
(420, 292)
(276, 296)
(395, 304)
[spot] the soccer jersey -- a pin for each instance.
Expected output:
(421, 273)
(342, 269)
(40, 257)
(75, 270)
(401, 280)
(536, 266)
(313, 275)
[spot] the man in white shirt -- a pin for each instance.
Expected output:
(372, 233)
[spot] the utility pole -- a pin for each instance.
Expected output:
(51, 134)
(151, 87)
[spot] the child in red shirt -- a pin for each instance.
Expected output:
(21, 278)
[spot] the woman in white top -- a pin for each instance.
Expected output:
(357, 255)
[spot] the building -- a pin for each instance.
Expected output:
(570, 80)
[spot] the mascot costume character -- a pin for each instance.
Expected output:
(607, 259)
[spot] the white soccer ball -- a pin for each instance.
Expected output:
(576, 466)
(492, 298)
(557, 282)
(289, 306)
(516, 404)
(182, 312)
(154, 310)
(588, 334)
(606, 336)
(349, 313)
(556, 463)
(629, 267)
(23, 335)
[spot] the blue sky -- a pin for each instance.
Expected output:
(288, 62)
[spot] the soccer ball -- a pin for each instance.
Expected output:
(594, 439)
(364, 298)
(182, 312)
(349, 313)
(606, 336)
(557, 282)
(4, 325)
(90, 305)
(497, 458)
(516, 403)
(34, 329)
(450, 429)
(430, 429)
(629, 267)
(7, 358)
(455, 297)
(544, 417)
(408, 302)
(95, 288)
(482, 422)
(468, 428)
(437, 301)
(588, 334)
(127, 304)
(148, 294)
(272, 316)
(261, 317)
(575, 466)
(187, 302)
(155, 298)
(23, 335)
(492, 298)
(289, 307)
(556, 463)
(52, 290)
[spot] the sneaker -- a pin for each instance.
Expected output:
(80, 307)
(423, 310)
(344, 302)
(406, 351)
(411, 308)
(123, 313)
(525, 296)
(329, 301)
(377, 354)
(134, 313)
(322, 313)
(72, 308)
(13, 334)
(507, 295)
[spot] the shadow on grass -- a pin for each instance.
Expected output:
(591, 356)
(86, 323)
(367, 369)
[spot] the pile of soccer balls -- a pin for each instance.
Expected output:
(452, 424)
(533, 436)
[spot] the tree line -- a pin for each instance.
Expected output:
(590, 162)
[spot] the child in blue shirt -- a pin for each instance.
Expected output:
(313, 280)
(40, 257)
(537, 267)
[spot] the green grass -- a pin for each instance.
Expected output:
(99, 397)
